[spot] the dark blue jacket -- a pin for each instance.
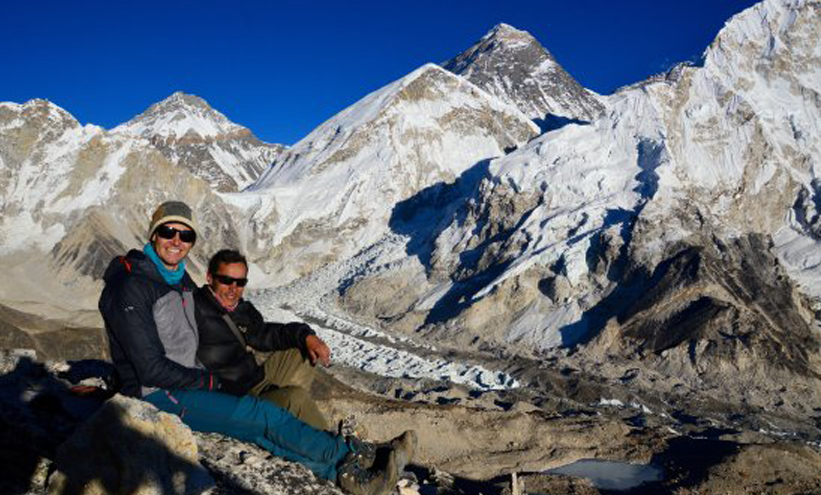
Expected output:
(151, 328)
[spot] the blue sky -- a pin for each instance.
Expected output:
(283, 67)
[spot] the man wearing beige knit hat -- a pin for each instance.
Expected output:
(172, 234)
(148, 308)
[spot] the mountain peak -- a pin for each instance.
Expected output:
(512, 65)
(180, 99)
(48, 107)
(36, 110)
(181, 115)
(423, 71)
(503, 27)
(509, 34)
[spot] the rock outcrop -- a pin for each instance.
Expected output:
(54, 441)
(129, 447)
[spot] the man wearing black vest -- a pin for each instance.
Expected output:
(230, 327)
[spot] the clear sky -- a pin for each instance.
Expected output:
(283, 67)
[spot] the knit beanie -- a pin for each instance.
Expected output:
(172, 211)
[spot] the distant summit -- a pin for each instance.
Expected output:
(188, 131)
(39, 113)
(512, 65)
(181, 116)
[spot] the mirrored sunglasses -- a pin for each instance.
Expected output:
(226, 280)
(166, 232)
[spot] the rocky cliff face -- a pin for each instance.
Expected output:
(512, 65)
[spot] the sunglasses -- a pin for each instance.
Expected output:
(166, 232)
(226, 280)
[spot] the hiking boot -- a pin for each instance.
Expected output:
(348, 426)
(356, 480)
(364, 453)
(405, 447)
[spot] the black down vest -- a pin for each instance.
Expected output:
(221, 351)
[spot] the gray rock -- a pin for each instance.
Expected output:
(244, 469)
(128, 446)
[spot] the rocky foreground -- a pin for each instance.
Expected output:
(56, 442)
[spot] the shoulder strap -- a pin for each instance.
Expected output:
(234, 329)
(127, 264)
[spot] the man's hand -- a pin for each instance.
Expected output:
(318, 350)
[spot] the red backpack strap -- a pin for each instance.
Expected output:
(125, 263)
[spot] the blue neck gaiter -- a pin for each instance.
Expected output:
(171, 278)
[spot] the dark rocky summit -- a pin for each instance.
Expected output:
(512, 65)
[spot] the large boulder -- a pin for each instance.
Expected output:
(129, 447)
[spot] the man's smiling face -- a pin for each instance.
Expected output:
(172, 251)
(226, 283)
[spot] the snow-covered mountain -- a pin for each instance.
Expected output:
(74, 196)
(189, 132)
(514, 66)
(663, 230)
(332, 193)
(730, 145)
(672, 227)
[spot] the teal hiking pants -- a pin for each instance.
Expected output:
(253, 420)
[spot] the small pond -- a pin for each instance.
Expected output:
(611, 475)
